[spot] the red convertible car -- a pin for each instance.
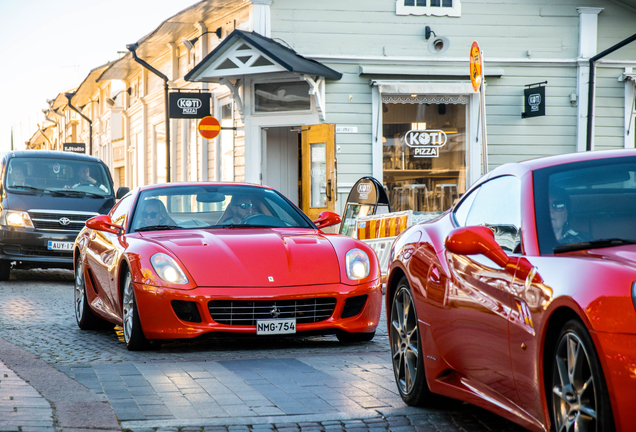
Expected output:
(522, 298)
(180, 260)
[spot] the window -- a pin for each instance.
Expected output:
(282, 97)
(119, 213)
(451, 8)
(424, 139)
(497, 205)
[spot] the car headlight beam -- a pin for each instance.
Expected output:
(15, 218)
(167, 269)
(357, 264)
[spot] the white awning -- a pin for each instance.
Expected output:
(421, 87)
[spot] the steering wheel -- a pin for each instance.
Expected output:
(250, 218)
(261, 219)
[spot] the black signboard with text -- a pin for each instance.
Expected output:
(189, 105)
(75, 147)
(534, 98)
(367, 197)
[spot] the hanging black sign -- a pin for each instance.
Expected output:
(74, 147)
(534, 101)
(189, 105)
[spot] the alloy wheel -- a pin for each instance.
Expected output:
(574, 399)
(404, 340)
(128, 308)
(80, 289)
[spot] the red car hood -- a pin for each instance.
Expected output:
(621, 254)
(253, 257)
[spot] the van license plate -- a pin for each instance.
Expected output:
(56, 245)
(276, 326)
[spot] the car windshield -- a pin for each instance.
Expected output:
(68, 177)
(586, 205)
(214, 206)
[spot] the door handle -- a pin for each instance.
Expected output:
(328, 190)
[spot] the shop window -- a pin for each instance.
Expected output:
(450, 8)
(424, 151)
(282, 97)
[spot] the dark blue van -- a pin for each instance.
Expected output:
(47, 196)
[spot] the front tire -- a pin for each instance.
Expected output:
(133, 333)
(580, 400)
(5, 270)
(406, 348)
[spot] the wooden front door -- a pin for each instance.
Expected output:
(318, 169)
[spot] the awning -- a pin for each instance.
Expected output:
(246, 53)
(439, 71)
(419, 87)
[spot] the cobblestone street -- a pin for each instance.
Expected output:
(290, 384)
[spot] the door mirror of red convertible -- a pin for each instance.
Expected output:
(327, 218)
(103, 223)
(476, 240)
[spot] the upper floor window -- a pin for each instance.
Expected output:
(450, 8)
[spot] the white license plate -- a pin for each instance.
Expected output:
(276, 326)
(55, 245)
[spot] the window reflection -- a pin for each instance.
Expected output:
(424, 151)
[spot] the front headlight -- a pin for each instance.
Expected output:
(15, 218)
(168, 269)
(358, 266)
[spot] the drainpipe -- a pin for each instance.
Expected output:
(590, 100)
(69, 96)
(132, 48)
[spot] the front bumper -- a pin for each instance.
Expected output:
(29, 247)
(619, 357)
(159, 320)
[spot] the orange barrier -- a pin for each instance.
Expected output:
(383, 226)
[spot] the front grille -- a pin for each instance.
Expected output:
(50, 220)
(247, 312)
(186, 310)
(353, 306)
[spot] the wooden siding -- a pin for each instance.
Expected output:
(609, 122)
(548, 28)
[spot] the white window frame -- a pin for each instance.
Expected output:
(428, 10)
(407, 88)
(312, 98)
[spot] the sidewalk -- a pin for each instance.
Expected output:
(21, 406)
(48, 399)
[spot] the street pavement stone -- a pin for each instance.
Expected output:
(218, 384)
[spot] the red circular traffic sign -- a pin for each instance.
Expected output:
(475, 66)
(209, 127)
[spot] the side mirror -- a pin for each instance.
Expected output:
(122, 191)
(476, 240)
(103, 223)
(327, 218)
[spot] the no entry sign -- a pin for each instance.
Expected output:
(209, 127)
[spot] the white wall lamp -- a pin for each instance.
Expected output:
(438, 44)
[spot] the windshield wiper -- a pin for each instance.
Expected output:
(157, 228)
(76, 193)
(593, 244)
(28, 188)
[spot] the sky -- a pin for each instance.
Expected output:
(49, 46)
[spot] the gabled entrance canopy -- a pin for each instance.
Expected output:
(248, 53)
